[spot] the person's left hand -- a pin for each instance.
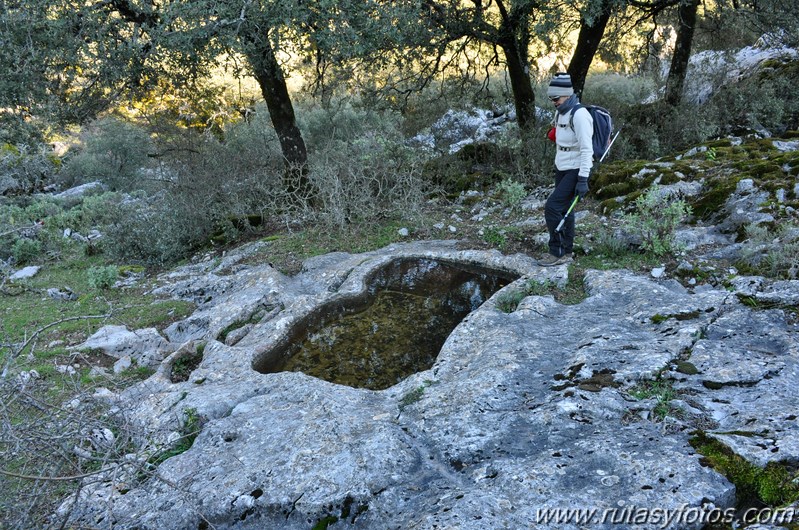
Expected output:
(581, 190)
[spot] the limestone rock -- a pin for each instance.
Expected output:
(691, 238)
(743, 207)
(237, 334)
(458, 128)
(145, 346)
(82, 190)
(747, 285)
(122, 364)
(64, 293)
(782, 292)
(786, 146)
(521, 411)
(679, 190)
(747, 371)
(25, 273)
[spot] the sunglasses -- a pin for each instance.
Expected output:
(554, 98)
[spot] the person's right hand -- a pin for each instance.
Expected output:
(581, 190)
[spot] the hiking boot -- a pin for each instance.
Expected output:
(550, 261)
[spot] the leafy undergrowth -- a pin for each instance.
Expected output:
(659, 389)
(441, 220)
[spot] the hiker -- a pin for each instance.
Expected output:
(573, 162)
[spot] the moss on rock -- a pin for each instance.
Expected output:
(718, 190)
(774, 485)
(619, 183)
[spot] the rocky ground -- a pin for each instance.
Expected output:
(524, 410)
(582, 386)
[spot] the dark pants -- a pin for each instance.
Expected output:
(557, 205)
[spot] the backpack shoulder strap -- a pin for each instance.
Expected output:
(571, 114)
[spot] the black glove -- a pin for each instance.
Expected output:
(582, 187)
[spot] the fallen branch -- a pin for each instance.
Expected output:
(34, 226)
(36, 333)
(34, 477)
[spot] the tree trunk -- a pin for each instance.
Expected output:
(682, 51)
(587, 44)
(523, 95)
(270, 78)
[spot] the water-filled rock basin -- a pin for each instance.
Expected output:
(394, 329)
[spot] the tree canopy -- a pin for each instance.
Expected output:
(72, 60)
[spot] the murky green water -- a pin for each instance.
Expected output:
(397, 330)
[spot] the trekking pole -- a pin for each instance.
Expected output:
(610, 144)
(574, 202)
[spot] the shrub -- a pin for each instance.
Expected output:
(511, 193)
(361, 170)
(655, 220)
(155, 231)
(102, 277)
(655, 129)
(42, 208)
(205, 188)
(93, 211)
(31, 228)
(251, 145)
(114, 152)
(616, 91)
(366, 179)
(26, 169)
(608, 244)
(766, 99)
(342, 121)
(772, 254)
(652, 128)
(26, 250)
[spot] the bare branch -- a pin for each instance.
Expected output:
(34, 226)
(39, 331)
(35, 477)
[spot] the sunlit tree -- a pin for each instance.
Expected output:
(593, 20)
(506, 24)
(66, 59)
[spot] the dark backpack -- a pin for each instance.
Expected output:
(603, 128)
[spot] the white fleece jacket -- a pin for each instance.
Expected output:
(574, 147)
